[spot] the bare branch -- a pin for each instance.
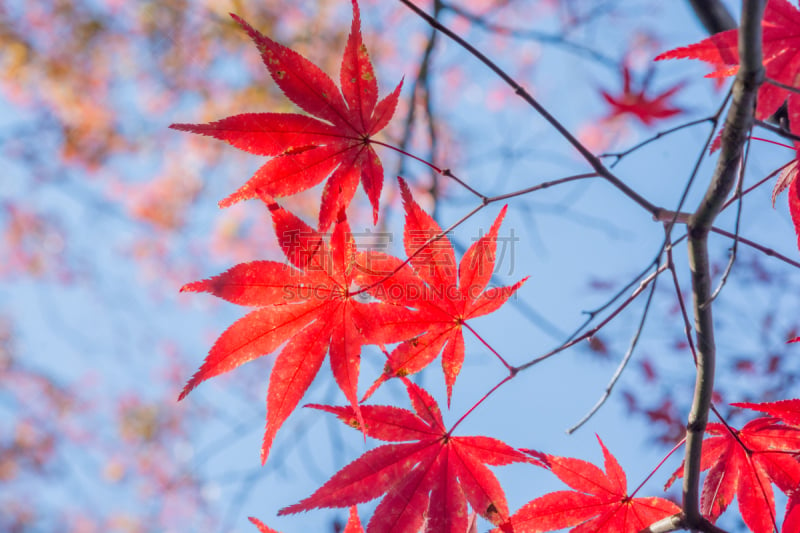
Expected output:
(732, 259)
(626, 358)
(789, 88)
(713, 14)
(588, 334)
(677, 522)
(737, 125)
(778, 130)
(590, 158)
(619, 155)
(534, 35)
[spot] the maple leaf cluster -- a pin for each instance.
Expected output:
(332, 299)
(314, 305)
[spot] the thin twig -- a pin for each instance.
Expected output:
(483, 398)
(590, 158)
(777, 83)
(623, 364)
(591, 314)
(777, 130)
(761, 248)
(687, 325)
(696, 169)
(759, 183)
(534, 35)
(659, 465)
(489, 346)
(619, 155)
(442, 171)
(645, 282)
(541, 186)
(732, 259)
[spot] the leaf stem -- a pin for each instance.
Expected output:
(483, 398)
(659, 465)
(500, 357)
(776, 83)
(442, 171)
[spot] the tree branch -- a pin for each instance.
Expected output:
(737, 125)
(590, 158)
(677, 522)
(713, 15)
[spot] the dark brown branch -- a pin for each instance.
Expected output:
(778, 130)
(619, 155)
(678, 522)
(590, 158)
(737, 125)
(713, 14)
(789, 88)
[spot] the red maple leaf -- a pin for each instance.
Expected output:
(445, 295)
(636, 102)
(781, 33)
(308, 149)
(599, 503)
(791, 522)
(429, 479)
(310, 304)
(787, 410)
(745, 463)
(788, 179)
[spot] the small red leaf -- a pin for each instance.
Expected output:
(636, 102)
(600, 501)
(444, 295)
(312, 308)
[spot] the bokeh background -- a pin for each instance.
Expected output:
(105, 213)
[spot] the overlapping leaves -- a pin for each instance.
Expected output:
(445, 294)
(312, 306)
(781, 37)
(308, 304)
